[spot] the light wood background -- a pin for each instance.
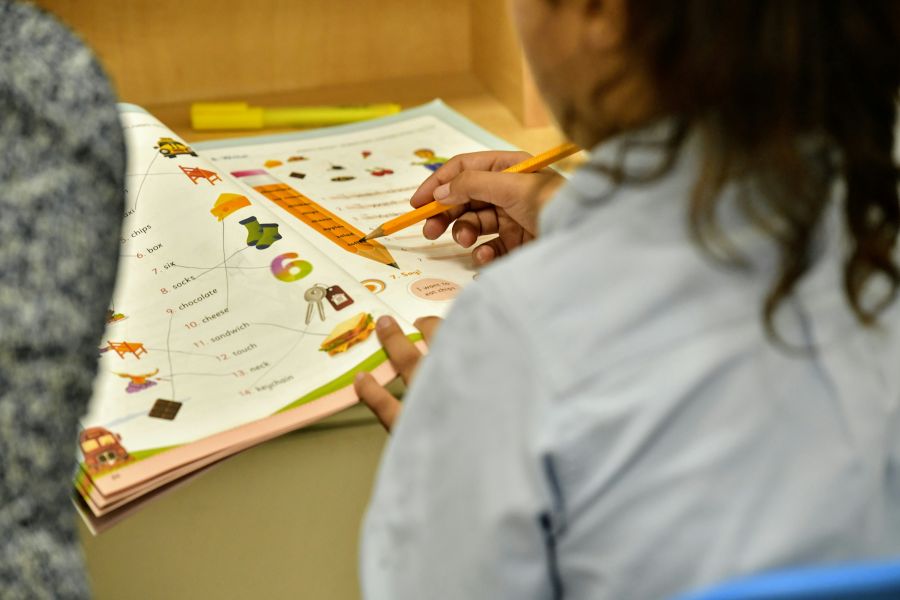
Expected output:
(171, 50)
(162, 52)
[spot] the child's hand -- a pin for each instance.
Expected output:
(405, 358)
(486, 201)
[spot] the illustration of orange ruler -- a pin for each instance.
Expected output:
(319, 218)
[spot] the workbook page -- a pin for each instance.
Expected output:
(222, 312)
(340, 183)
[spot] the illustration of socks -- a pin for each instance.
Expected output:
(254, 230)
(269, 235)
(261, 235)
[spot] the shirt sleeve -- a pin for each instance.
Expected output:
(457, 507)
(62, 162)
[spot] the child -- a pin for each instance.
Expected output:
(691, 374)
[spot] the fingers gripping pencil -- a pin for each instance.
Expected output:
(530, 165)
(319, 218)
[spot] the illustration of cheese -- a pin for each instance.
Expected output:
(227, 204)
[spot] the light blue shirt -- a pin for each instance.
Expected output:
(601, 416)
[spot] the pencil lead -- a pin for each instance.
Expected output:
(375, 233)
(363, 239)
(395, 265)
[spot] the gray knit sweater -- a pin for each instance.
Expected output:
(62, 163)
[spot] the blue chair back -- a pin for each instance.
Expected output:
(856, 581)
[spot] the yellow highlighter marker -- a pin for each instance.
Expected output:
(240, 115)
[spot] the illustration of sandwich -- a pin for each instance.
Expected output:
(346, 334)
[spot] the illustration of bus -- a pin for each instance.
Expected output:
(171, 148)
(102, 450)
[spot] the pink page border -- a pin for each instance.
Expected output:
(189, 455)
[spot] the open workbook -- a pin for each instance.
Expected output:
(245, 302)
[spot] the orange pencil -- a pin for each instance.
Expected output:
(535, 163)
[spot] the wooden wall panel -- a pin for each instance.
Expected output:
(160, 51)
(498, 62)
(534, 111)
(496, 57)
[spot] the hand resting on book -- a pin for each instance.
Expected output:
(404, 356)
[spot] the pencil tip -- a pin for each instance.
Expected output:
(375, 233)
(395, 265)
(363, 239)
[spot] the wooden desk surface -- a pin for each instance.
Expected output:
(280, 520)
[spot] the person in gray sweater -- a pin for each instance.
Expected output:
(62, 161)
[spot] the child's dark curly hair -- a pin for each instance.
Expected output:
(757, 76)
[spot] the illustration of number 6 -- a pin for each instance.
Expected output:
(290, 270)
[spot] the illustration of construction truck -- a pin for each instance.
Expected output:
(171, 148)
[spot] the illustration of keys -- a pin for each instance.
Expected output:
(314, 297)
